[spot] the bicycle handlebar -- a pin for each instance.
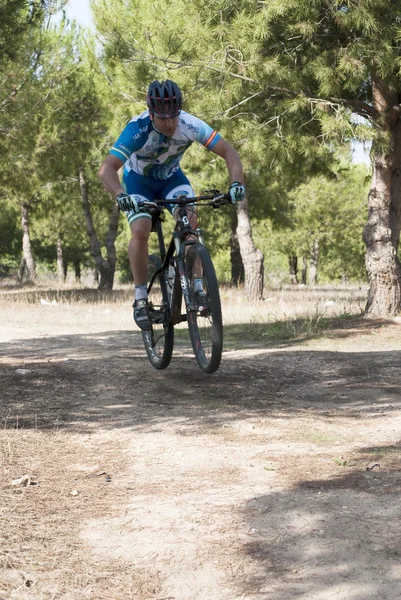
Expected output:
(214, 198)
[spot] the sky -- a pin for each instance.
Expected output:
(360, 153)
(80, 10)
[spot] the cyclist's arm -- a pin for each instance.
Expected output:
(232, 158)
(108, 174)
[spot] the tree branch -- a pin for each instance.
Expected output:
(359, 107)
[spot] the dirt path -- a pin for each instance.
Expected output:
(250, 484)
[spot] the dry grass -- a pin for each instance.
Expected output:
(41, 554)
(288, 303)
(285, 313)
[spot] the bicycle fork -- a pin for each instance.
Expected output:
(184, 283)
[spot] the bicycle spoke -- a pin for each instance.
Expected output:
(159, 341)
(205, 322)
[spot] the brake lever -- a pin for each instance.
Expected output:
(145, 204)
(219, 201)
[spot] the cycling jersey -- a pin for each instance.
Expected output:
(152, 154)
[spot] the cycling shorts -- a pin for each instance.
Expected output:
(147, 188)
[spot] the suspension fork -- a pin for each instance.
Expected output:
(180, 264)
(180, 243)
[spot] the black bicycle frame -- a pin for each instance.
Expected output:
(176, 246)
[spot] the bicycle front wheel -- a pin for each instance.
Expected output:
(204, 318)
(159, 340)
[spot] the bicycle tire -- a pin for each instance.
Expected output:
(205, 323)
(159, 340)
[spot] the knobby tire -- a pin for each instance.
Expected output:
(205, 324)
(159, 341)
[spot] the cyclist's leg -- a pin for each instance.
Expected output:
(138, 249)
(179, 185)
(140, 225)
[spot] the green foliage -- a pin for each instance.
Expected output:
(281, 80)
(10, 236)
(55, 120)
(331, 211)
(17, 19)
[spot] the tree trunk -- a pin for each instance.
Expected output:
(382, 266)
(382, 230)
(21, 270)
(304, 269)
(105, 267)
(313, 262)
(237, 266)
(61, 272)
(30, 268)
(251, 256)
(77, 269)
(293, 265)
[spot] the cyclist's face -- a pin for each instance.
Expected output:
(165, 126)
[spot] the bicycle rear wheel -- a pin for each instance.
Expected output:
(159, 340)
(205, 322)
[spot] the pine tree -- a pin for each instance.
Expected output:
(310, 75)
(144, 42)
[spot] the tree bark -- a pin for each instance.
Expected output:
(252, 257)
(237, 266)
(61, 271)
(382, 230)
(304, 269)
(313, 262)
(106, 267)
(21, 270)
(30, 267)
(77, 269)
(293, 266)
(382, 266)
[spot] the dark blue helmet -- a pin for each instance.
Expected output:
(164, 99)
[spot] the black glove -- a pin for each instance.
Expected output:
(236, 192)
(127, 202)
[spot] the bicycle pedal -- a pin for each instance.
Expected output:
(157, 317)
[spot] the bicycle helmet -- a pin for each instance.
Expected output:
(164, 99)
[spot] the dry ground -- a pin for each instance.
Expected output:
(276, 478)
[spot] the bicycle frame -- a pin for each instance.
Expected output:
(190, 262)
(177, 245)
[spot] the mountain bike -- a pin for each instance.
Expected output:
(182, 287)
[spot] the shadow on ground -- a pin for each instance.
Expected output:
(105, 380)
(333, 537)
(324, 529)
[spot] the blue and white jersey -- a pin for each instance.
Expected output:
(152, 154)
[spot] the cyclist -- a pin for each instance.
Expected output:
(151, 147)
